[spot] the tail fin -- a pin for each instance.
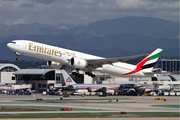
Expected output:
(67, 79)
(148, 63)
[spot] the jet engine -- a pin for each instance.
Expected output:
(78, 63)
(53, 64)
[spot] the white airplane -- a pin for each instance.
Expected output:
(4, 87)
(58, 57)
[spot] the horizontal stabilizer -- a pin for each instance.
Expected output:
(155, 74)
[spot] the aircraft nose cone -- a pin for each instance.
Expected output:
(8, 45)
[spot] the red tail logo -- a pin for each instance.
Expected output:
(139, 66)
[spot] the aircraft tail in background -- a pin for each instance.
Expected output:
(67, 79)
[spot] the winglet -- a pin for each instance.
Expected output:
(67, 79)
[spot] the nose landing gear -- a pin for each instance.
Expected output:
(17, 56)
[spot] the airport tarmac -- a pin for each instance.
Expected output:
(92, 104)
(101, 119)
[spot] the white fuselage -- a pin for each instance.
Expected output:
(94, 87)
(63, 56)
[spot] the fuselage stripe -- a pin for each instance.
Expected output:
(148, 65)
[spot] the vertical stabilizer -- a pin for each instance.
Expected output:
(67, 79)
(149, 62)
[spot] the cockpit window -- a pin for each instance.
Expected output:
(13, 42)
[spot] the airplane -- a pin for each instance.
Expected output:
(4, 87)
(58, 57)
(147, 88)
(70, 84)
(143, 88)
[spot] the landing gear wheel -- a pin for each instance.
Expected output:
(90, 74)
(17, 59)
(17, 55)
(93, 76)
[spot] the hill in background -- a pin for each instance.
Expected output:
(107, 38)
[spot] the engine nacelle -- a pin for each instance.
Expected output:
(78, 63)
(53, 64)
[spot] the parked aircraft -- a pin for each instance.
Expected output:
(4, 87)
(70, 84)
(147, 88)
(58, 57)
(164, 82)
(141, 88)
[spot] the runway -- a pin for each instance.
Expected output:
(90, 104)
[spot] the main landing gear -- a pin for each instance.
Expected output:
(87, 73)
(90, 74)
(17, 56)
(76, 73)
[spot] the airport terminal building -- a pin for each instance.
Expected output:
(35, 79)
(46, 79)
(171, 65)
(38, 78)
(6, 73)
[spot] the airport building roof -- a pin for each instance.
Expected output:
(7, 67)
(32, 71)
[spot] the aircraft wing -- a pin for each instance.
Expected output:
(103, 89)
(99, 62)
(155, 74)
(69, 87)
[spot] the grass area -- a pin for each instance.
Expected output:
(38, 108)
(169, 106)
(77, 115)
(91, 116)
(15, 109)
